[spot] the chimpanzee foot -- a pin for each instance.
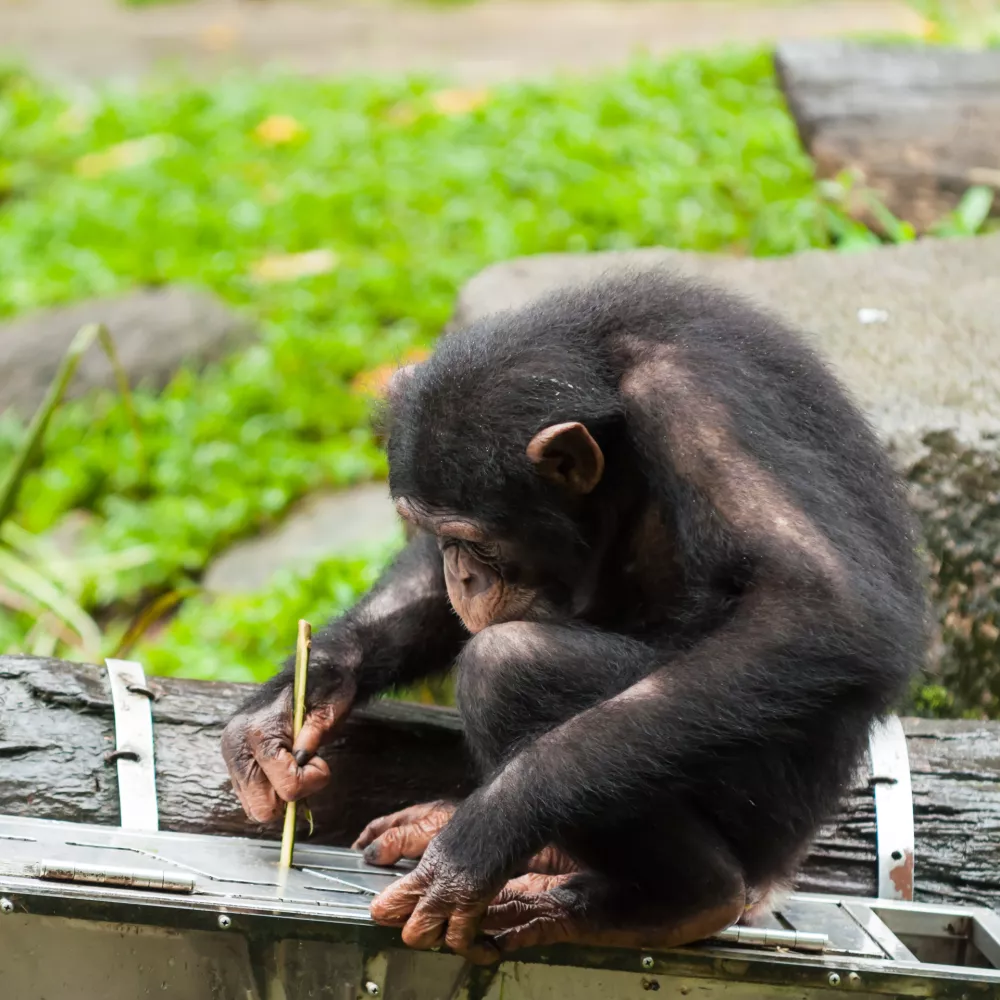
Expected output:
(551, 860)
(529, 911)
(539, 910)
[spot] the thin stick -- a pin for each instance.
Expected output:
(298, 717)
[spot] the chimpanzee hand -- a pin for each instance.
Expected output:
(266, 768)
(439, 902)
(403, 834)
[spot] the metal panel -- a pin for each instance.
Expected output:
(311, 936)
(134, 746)
(893, 809)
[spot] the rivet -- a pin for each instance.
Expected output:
(834, 979)
(372, 989)
(225, 921)
(647, 961)
(6, 906)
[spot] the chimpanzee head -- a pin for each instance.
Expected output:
(499, 445)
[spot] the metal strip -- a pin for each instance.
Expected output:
(890, 778)
(134, 745)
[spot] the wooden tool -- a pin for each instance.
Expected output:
(298, 717)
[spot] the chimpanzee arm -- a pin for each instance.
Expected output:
(402, 630)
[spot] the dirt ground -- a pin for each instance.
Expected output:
(478, 43)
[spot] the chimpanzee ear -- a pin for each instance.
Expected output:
(567, 455)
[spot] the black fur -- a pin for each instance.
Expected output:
(769, 659)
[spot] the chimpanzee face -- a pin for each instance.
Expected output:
(492, 580)
(488, 580)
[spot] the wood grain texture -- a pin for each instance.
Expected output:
(57, 724)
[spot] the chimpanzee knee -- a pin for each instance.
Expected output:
(500, 691)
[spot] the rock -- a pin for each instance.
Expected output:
(156, 332)
(325, 525)
(914, 333)
(919, 124)
(932, 363)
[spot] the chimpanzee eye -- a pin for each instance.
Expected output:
(484, 551)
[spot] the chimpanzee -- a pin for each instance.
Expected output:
(677, 579)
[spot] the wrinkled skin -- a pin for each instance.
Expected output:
(407, 834)
(267, 769)
(403, 834)
(439, 903)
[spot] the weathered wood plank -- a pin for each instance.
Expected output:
(57, 724)
(919, 125)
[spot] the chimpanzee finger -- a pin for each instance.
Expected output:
(539, 931)
(254, 791)
(393, 906)
(463, 926)
(408, 841)
(379, 825)
(427, 924)
(260, 801)
(316, 728)
(289, 781)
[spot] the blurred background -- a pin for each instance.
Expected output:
(271, 203)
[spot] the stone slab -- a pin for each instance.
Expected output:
(343, 523)
(918, 125)
(914, 333)
(913, 330)
(156, 332)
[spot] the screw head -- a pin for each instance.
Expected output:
(372, 989)
(854, 979)
(647, 961)
(6, 906)
(834, 979)
(225, 921)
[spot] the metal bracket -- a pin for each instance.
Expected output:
(890, 767)
(133, 745)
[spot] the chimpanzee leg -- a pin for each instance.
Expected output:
(644, 884)
(660, 876)
(515, 681)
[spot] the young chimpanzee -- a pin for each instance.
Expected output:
(676, 576)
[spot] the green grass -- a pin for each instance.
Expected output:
(695, 152)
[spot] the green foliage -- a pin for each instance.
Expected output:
(242, 638)
(179, 182)
(399, 191)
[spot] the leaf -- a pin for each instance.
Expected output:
(459, 102)
(34, 585)
(278, 130)
(896, 229)
(152, 613)
(85, 336)
(974, 208)
(125, 155)
(220, 36)
(292, 266)
(375, 381)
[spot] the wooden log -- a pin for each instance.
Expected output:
(919, 125)
(57, 725)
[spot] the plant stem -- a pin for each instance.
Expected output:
(298, 717)
(84, 337)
